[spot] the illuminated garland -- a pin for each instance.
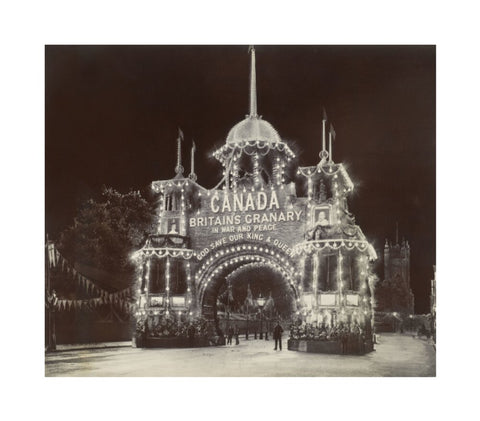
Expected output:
(248, 257)
(161, 185)
(333, 170)
(288, 273)
(165, 251)
(307, 172)
(236, 249)
(256, 144)
(335, 244)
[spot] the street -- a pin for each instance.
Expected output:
(396, 355)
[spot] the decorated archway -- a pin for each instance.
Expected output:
(227, 265)
(294, 234)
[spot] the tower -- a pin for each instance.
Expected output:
(338, 282)
(254, 156)
(394, 293)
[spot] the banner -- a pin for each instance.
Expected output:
(119, 298)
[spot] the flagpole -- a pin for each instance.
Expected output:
(179, 168)
(324, 123)
(192, 175)
(332, 136)
(323, 137)
(192, 163)
(228, 306)
(47, 293)
(51, 303)
(330, 152)
(246, 333)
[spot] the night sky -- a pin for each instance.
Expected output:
(112, 114)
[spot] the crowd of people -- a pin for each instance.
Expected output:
(350, 337)
(168, 327)
(321, 332)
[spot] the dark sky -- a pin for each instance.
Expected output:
(112, 114)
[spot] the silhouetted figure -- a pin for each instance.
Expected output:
(237, 332)
(220, 337)
(277, 335)
(229, 335)
(191, 335)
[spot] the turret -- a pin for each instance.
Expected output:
(254, 156)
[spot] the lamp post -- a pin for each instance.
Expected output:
(52, 301)
(246, 332)
(228, 304)
(394, 322)
(261, 303)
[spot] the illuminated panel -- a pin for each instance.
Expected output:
(328, 299)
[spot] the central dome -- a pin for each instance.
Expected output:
(253, 129)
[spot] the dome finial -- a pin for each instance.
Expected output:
(253, 84)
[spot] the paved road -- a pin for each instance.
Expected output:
(396, 355)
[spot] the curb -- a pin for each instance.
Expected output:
(86, 347)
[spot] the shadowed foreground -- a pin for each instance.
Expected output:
(396, 355)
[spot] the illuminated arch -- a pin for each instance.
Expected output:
(230, 259)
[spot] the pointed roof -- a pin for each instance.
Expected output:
(253, 128)
(253, 84)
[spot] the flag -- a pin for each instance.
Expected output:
(332, 131)
(51, 254)
(324, 115)
(249, 299)
(270, 303)
(180, 133)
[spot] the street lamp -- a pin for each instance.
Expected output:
(261, 303)
(246, 331)
(52, 301)
(228, 303)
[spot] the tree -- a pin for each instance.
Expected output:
(106, 232)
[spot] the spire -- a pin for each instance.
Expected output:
(396, 234)
(192, 174)
(179, 168)
(331, 136)
(253, 84)
(324, 122)
(324, 154)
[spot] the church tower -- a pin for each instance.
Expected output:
(397, 277)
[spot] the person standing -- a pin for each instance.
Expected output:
(277, 335)
(229, 335)
(191, 335)
(237, 332)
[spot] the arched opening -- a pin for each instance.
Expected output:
(231, 288)
(244, 286)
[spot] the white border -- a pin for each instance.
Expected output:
(27, 26)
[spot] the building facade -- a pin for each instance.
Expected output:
(266, 214)
(394, 294)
